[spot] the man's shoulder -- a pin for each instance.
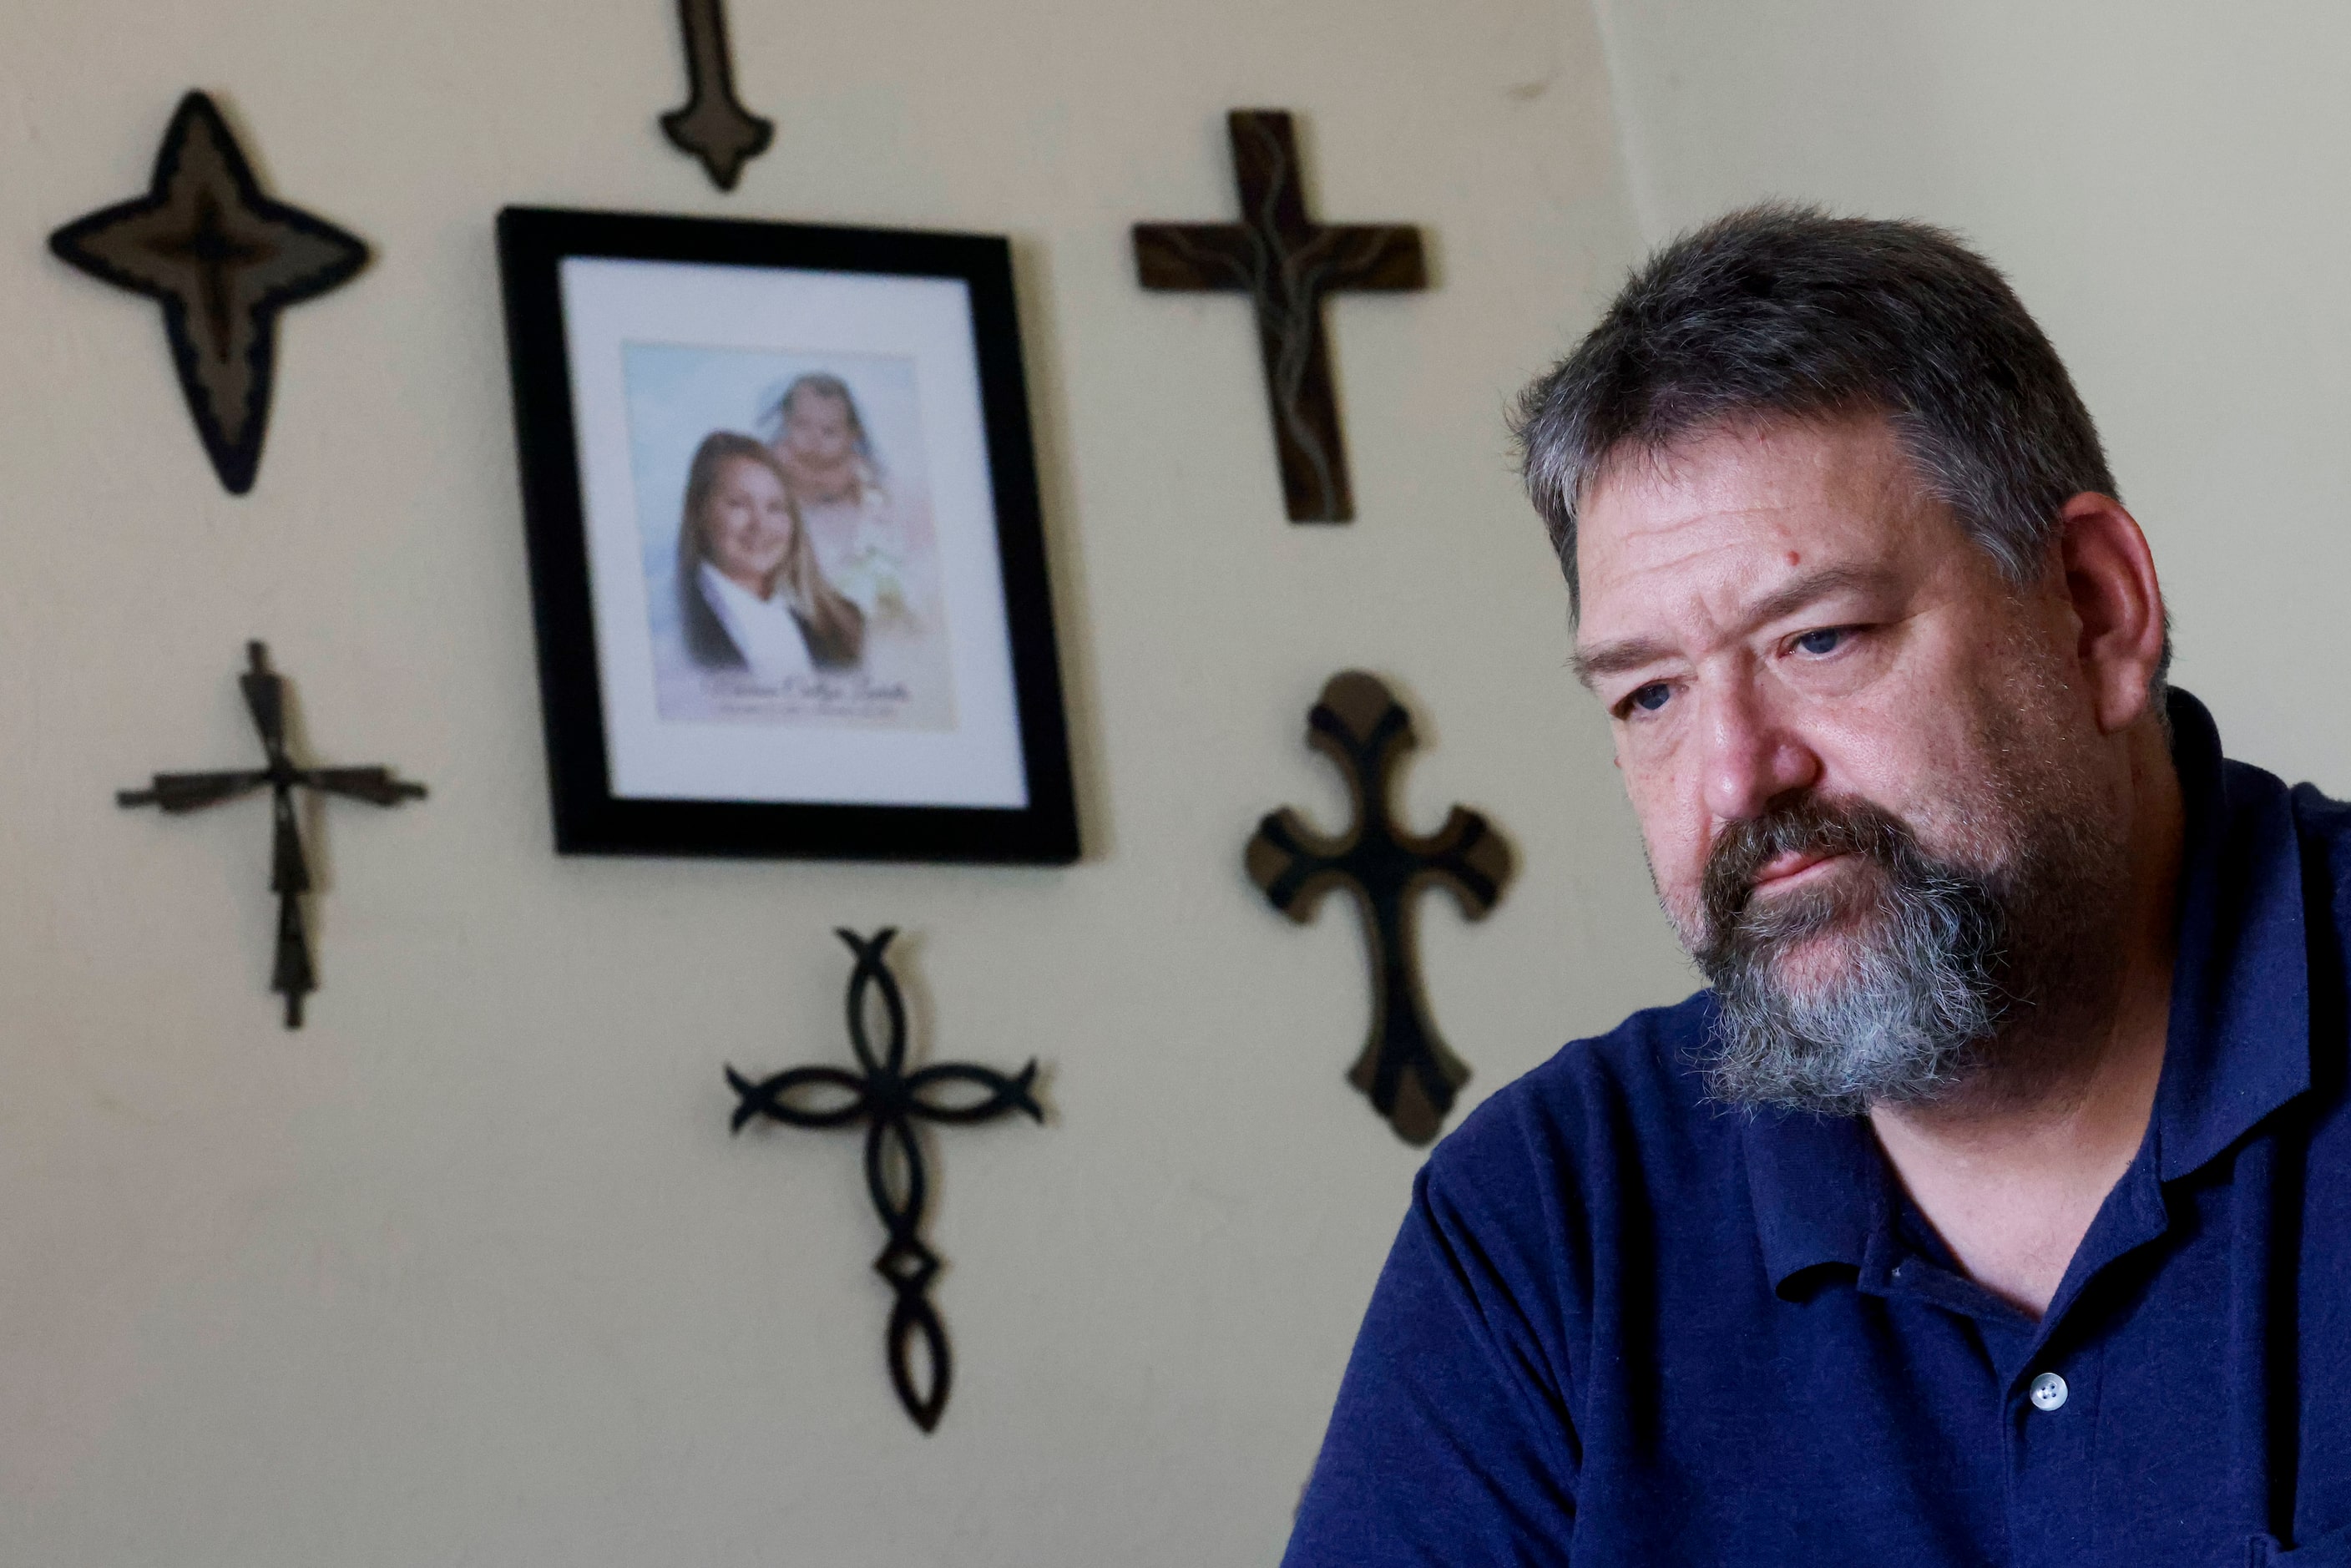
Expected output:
(1628, 1104)
(2323, 826)
(2324, 823)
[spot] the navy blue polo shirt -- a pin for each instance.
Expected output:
(1624, 1325)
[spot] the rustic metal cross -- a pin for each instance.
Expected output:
(713, 125)
(293, 975)
(889, 1100)
(1404, 1067)
(224, 260)
(1286, 262)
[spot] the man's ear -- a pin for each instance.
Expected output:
(2117, 604)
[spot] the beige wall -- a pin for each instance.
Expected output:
(2160, 180)
(470, 1270)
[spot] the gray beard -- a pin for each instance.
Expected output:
(1933, 961)
(1908, 1022)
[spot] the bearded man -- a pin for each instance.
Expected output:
(1992, 1204)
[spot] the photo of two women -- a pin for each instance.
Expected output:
(792, 567)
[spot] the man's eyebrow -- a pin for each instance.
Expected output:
(1631, 652)
(1614, 658)
(1812, 585)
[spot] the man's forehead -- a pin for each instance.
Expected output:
(1736, 500)
(1748, 465)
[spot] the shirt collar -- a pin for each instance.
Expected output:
(1819, 1191)
(2238, 1042)
(2240, 1037)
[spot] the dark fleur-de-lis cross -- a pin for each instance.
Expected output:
(1404, 1067)
(1286, 262)
(294, 976)
(889, 1100)
(713, 125)
(224, 260)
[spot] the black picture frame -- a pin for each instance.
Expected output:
(589, 818)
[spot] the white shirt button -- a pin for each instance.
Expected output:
(2048, 1391)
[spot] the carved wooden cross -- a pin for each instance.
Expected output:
(713, 125)
(293, 977)
(1286, 262)
(1404, 1067)
(888, 1099)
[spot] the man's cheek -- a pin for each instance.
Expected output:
(1669, 805)
(1677, 871)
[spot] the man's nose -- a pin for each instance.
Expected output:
(1752, 757)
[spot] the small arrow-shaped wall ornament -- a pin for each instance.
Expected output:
(713, 125)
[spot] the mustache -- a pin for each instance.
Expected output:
(1805, 825)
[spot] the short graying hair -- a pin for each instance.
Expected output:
(1785, 311)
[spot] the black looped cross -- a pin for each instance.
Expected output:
(889, 1100)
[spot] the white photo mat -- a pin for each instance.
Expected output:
(975, 760)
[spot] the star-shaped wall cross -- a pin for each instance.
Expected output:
(223, 259)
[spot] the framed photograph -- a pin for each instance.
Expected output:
(786, 557)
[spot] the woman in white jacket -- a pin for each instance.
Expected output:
(751, 594)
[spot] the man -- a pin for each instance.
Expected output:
(1993, 1203)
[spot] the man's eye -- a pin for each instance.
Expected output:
(1651, 697)
(1825, 640)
